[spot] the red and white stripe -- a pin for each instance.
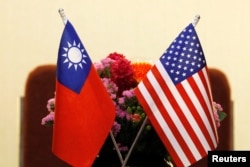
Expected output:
(181, 114)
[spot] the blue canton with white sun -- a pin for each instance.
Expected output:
(73, 64)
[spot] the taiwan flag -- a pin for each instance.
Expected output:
(84, 111)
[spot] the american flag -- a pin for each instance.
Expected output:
(176, 97)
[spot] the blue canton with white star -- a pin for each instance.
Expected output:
(184, 57)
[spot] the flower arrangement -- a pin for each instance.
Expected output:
(120, 77)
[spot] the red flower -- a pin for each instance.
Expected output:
(122, 73)
(116, 56)
(135, 117)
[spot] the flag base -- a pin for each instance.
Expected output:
(108, 158)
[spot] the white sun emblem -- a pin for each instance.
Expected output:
(74, 55)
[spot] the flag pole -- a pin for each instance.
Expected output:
(116, 147)
(196, 20)
(135, 141)
(63, 16)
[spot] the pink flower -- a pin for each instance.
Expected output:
(106, 62)
(49, 119)
(122, 148)
(116, 128)
(217, 108)
(128, 93)
(51, 105)
(111, 87)
(122, 114)
(98, 66)
(121, 100)
(217, 119)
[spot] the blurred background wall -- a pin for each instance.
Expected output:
(30, 31)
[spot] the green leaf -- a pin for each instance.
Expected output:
(222, 115)
(129, 110)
